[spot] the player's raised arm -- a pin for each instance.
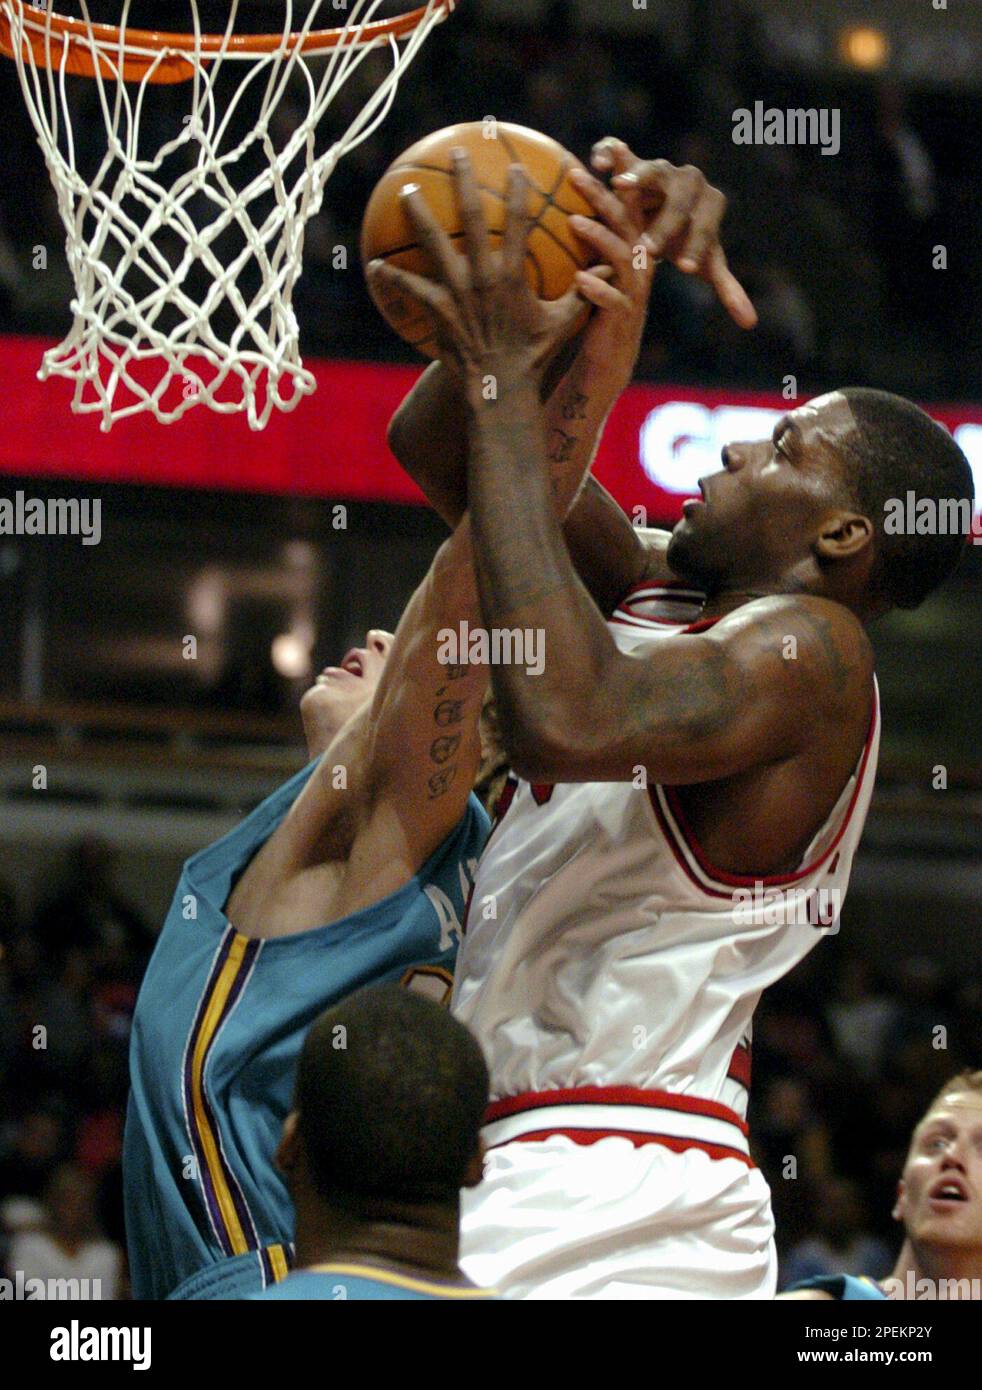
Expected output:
(424, 747)
(705, 707)
(710, 705)
(428, 435)
(666, 213)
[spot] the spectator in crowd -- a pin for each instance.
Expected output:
(38, 1142)
(69, 1247)
(860, 1015)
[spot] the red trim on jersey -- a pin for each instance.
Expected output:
(683, 599)
(702, 625)
(668, 1141)
(505, 797)
(739, 1068)
(652, 587)
(612, 1095)
(720, 876)
(629, 621)
(673, 845)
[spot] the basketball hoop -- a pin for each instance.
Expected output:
(132, 302)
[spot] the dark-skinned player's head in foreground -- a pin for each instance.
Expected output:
(807, 510)
(390, 1098)
(939, 1196)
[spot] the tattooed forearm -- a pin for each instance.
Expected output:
(446, 714)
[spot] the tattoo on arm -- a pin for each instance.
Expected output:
(445, 746)
(571, 407)
(831, 652)
(561, 446)
(695, 699)
(449, 712)
(440, 782)
(574, 403)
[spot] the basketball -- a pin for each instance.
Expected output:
(554, 252)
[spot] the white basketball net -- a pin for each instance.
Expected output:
(257, 365)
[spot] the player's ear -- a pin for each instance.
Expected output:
(474, 1172)
(900, 1205)
(843, 535)
(288, 1149)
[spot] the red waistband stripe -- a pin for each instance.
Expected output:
(587, 1114)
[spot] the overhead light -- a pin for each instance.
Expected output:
(206, 601)
(864, 47)
(290, 655)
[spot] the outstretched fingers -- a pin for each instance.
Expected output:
(732, 295)
(472, 221)
(432, 239)
(427, 293)
(515, 239)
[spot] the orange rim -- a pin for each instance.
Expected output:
(142, 47)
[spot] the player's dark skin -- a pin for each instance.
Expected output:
(760, 719)
(417, 1240)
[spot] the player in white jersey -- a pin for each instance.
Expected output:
(689, 795)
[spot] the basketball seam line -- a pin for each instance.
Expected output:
(549, 198)
(455, 236)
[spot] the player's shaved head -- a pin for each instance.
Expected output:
(898, 449)
(822, 507)
(391, 1094)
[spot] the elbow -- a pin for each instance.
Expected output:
(539, 750)
(397, 437)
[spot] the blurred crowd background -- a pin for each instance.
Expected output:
(836, 253)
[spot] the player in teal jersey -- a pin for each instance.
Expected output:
(356, 871)
(385, 1131)
(939, 1203)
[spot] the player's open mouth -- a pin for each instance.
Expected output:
(691, 504)
(948, 1191)
(352, 665)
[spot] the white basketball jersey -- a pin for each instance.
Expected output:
(601, 950)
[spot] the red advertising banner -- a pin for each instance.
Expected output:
(658, 442)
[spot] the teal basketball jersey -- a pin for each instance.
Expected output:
(217, 1032)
